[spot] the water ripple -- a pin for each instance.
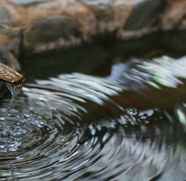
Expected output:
(70, 128)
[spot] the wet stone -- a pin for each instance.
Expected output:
(145, 13)
(58, 26)
(103, 12)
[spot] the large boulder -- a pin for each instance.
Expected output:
(44, 25)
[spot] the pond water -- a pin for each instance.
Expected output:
(68, 127)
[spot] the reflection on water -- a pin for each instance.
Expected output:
(71, 128)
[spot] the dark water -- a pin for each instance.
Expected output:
(69, 127)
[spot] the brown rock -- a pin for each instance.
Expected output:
(174, 16)
(82, 21)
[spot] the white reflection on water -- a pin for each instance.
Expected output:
(72, 128)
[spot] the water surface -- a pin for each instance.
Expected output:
(69, 127)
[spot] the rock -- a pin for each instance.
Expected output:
(9, 64)
(62, 26)
(82, 21)
(9, 79)
(144, 14)
(174, 15)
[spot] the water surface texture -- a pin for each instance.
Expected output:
(69, 127)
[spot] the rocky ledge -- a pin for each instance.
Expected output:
(40, 25)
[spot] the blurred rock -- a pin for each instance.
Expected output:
(49, 25)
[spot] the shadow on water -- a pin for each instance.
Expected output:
(68, 61)
(78, 127)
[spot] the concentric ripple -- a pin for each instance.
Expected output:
(69, 128)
